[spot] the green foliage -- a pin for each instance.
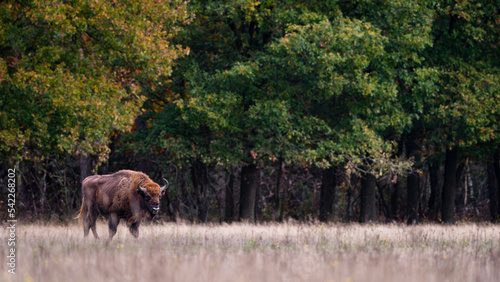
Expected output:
(71, 72)
(455, 93)
(228, 83)
(319, 92)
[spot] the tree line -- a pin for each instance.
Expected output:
(364, 110)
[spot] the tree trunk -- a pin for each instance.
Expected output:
(413, 183)
(368, 185)
(395, 199)
(353, 184)
(256, 202)
(434, 199)
(327, 194)
(283, 199)
(21, 187)
(276, 208)
(496, 165)
(85, 167)
(248, 190)
(143, 163)
(199, 176)
(493, 192)
(229, 208)
(450, 186)
(383, 206)
(412, 199)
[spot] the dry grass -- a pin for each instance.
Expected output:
(271, 252)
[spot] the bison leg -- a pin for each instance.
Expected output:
(94, 230)
(89, 222)
(134, 229)
(86, 226)
(113, 224)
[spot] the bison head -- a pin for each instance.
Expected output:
(151, 194)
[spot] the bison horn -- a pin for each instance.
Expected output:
(139, 187)
(166, 185)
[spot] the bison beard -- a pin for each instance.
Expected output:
(126, 194)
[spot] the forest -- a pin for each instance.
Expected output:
(258, 111)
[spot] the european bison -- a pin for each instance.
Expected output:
(126, 194)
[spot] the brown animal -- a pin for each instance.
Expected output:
(126, 194)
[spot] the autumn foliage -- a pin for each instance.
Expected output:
(257, 110)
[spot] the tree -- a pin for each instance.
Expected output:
(368, 212)
(406, 26)
(327, 194)
(457, 88)
(493, 190)
(307, 97)
(71, 73)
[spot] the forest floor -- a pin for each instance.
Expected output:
(262, 252)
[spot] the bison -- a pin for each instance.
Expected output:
(126, 194)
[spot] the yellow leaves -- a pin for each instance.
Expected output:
(180, 104)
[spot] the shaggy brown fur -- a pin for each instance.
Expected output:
(126, 194)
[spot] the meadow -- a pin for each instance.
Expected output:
(261, 252)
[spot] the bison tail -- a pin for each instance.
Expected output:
(83, 210)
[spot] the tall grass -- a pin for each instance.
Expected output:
(268, 252)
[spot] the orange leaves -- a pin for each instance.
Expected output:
(254, 155)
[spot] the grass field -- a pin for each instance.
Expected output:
(269, 252)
